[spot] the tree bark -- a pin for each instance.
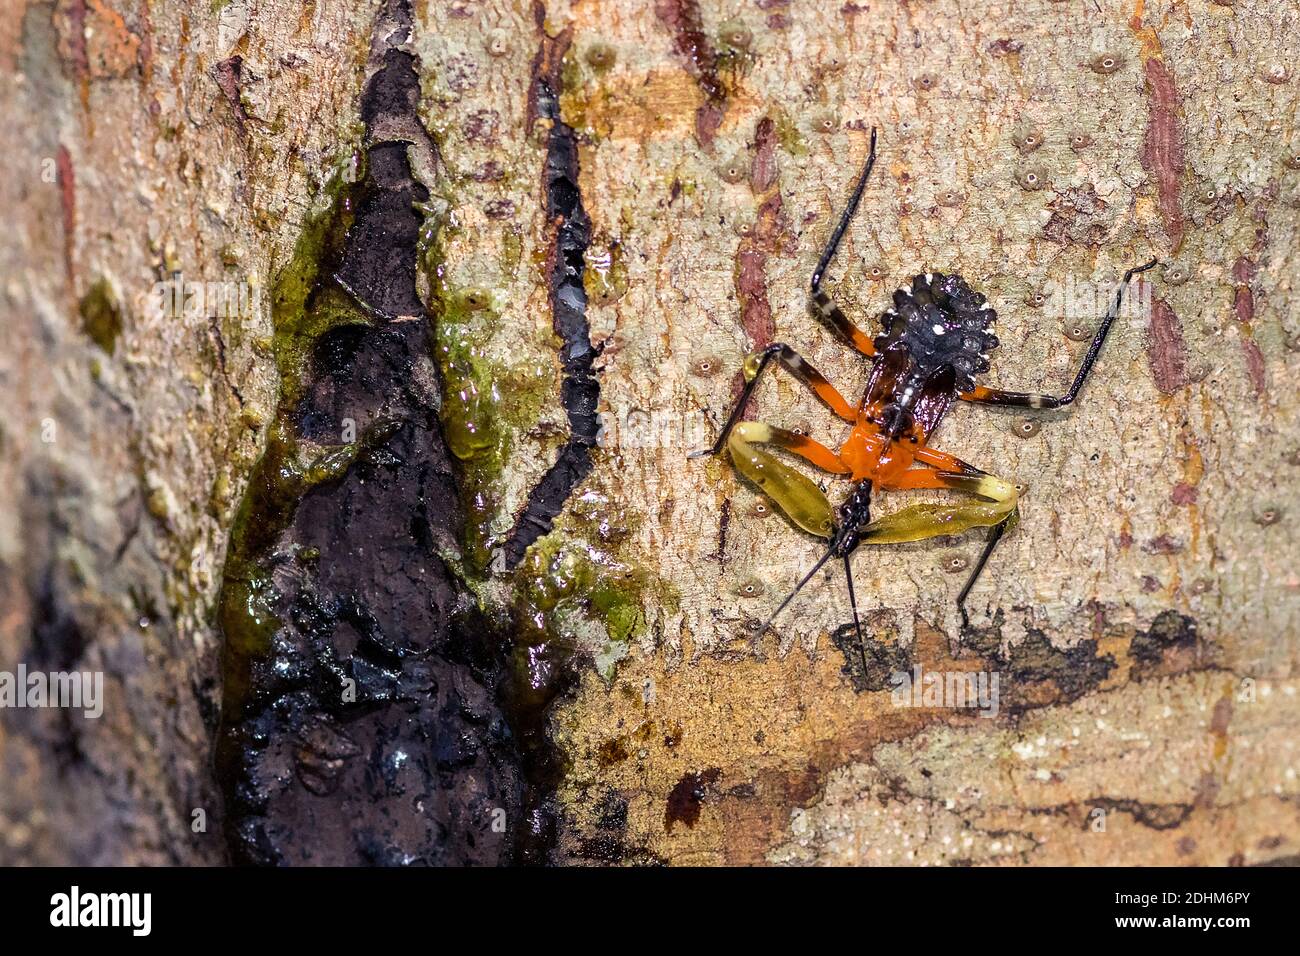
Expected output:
(610, 205)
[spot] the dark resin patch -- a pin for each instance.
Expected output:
(580, 391)
(870, 666)
(365, 718)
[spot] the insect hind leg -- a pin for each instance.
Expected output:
(919, 522)
(998, 511)
(793, 492)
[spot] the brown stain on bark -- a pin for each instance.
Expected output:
(1243, 304)
(656, 105)
(1219, 721)
(682, 17)
(763, 170)
(145, 53)
(770, 236)
(1162, 153)
(724, 521)
(1166, 350)
(96, 43)
(1244, 271)
(1146, 36)
(72, 46)
(1255, 369)
(1243, 300)
(751, 287)
(758, 819)
(1035, 676)
(68, 201)
(1187, 490)
(1164, 544)
(228, 74)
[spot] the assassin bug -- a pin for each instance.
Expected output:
(935, 341)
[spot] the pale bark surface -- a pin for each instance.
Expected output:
(113, 532)
(1143, 618)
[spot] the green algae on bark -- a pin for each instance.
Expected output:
(577, 591)
(289, 469)
(485, 404)
(306, 301)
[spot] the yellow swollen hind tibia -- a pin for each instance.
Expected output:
(918, 522)
(793, 492)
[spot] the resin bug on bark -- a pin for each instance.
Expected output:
(935, 340)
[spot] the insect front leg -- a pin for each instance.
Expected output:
(1006, 399)
(819, 301)
(756, 363)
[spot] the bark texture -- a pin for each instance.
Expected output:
(616, 202)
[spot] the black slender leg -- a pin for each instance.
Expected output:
(995, 535)
(821, 303)
(830, 553)
(737, 410)
(997, 396)
(857, 623)
(829, 252)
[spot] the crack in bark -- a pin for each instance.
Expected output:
(214, 323)
(365, 716)
(571, 231)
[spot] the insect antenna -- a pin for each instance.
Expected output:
(857, 624)
(797, 588)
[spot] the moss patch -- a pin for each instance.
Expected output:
(101, 316)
